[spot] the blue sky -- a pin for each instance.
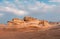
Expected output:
(41, 9)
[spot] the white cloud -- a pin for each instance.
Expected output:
(54, 1)
(1, 14)
(41, 7)
(13, 10)
(25, 7)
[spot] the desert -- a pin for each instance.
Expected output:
(29, 28)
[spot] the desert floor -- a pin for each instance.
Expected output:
(52, 33)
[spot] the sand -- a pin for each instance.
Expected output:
(52, 33)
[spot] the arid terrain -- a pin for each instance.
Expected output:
(32, 33)
(29, 28)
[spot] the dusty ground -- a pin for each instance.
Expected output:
(52, 33)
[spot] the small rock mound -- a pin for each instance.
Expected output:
(28, 18)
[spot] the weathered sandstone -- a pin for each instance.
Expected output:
(27, 21)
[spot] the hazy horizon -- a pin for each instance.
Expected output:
(40, 9)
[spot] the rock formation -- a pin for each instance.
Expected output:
(27, 21)
(31, 20)
(28, 18)
(16, 22)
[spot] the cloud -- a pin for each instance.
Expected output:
(13, 10)
(54, 1)
(41, 7)
(1, 14)
(26, 7)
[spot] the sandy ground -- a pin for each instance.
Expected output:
(52, 33)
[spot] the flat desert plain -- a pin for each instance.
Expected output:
(31, 33)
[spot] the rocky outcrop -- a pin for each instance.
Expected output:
(16, 22)
(31, 20)
(28, 18)
(46, 23)
(27, 21)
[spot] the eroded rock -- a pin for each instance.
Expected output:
(27, 21)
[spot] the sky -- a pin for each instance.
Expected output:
(40, 9)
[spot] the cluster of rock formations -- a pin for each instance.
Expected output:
(26, 22)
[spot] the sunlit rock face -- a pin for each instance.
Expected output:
(16, 22)
(28, 18)
(10, 23)
(31, 20)
(46, 23)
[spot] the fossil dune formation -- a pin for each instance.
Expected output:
(27, 21)
(29, 28)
